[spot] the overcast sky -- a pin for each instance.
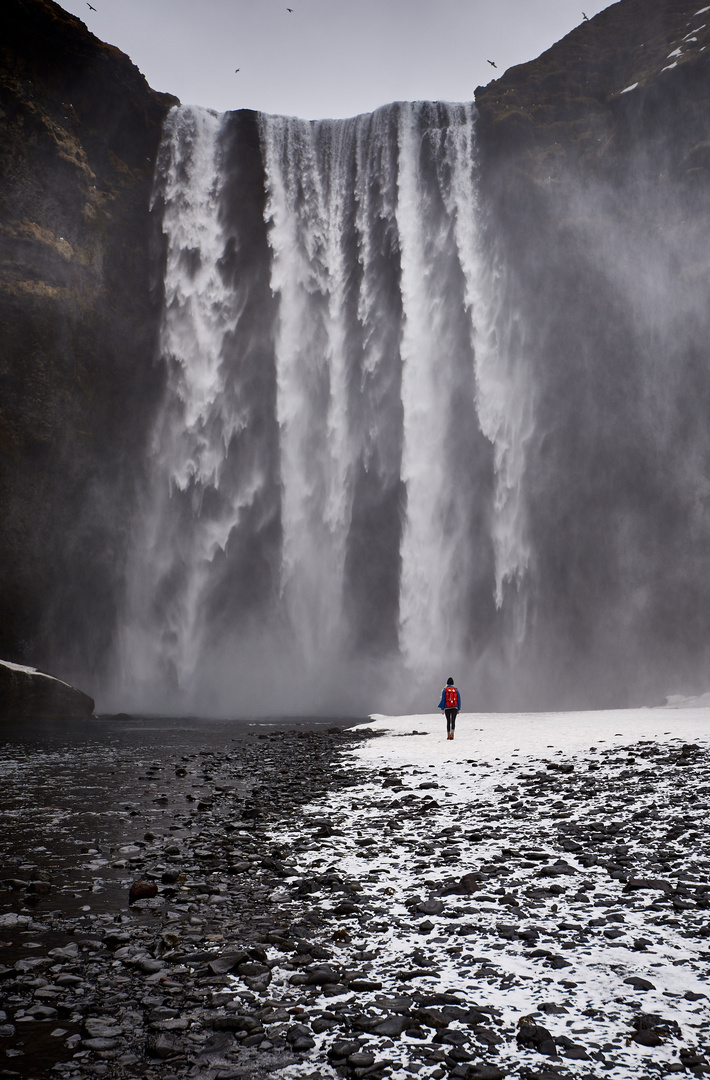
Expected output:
(328, 58)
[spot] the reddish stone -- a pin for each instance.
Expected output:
(142, 890)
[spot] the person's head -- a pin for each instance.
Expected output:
(449, 681)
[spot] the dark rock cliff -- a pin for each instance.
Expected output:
(595, 169)
(79, 314)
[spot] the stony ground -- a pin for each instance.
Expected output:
(314, 918)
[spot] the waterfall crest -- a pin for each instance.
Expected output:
(334, 517)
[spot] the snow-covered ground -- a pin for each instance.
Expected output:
(512, 736)
(541, 875)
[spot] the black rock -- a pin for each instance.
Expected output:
(393, 1026)
(30, 694)
(431, 907)
(639, 984)
(536, 1037)
(163, 1046)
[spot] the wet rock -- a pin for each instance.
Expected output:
(322, 976)
(343, 1048)
(142, 890)
(393, 1026)
(99, 1044)
(219, 1043)
(40, 888)
(571, 1049)
(250, 969)
(647, 1038)
(432, 1018)
(535, 1037)
(469, 884)
(101, 1029)
(227, 962)
(321, 1024)
(639, 983)
(431, 907)
(657, 1024)
(345, 907)
(656, 884)
(149, 966)
(361, 986)
(361, 1059)
(300, 1038)
(163, 1046)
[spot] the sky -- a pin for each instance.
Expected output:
(327, 58)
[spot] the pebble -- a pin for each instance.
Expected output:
(257, 949)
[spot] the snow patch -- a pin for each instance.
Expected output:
(543, 852)
(501, 736)
(627, 88)
(32, 671)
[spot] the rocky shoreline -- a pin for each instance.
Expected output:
(266, 906)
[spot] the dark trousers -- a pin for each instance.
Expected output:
(450, 719)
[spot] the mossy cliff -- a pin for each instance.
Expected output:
(79, 312)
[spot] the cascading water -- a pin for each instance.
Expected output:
(335, 498)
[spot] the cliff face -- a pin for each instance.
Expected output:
(594, 165)
(79, 312)
(635, 78)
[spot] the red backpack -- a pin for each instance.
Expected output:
(451, 698)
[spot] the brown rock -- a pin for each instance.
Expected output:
(142, 890)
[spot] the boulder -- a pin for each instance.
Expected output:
(25, 692)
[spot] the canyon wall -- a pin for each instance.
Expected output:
(80, 303)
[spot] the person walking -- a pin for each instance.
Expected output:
(450, 704)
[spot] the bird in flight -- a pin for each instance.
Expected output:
(585, 17)
(236, 70)
(89, 6)
(492, 63)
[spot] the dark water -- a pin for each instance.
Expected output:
(80, 806)
(68, 788)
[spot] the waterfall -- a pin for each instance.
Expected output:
(334, 507)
